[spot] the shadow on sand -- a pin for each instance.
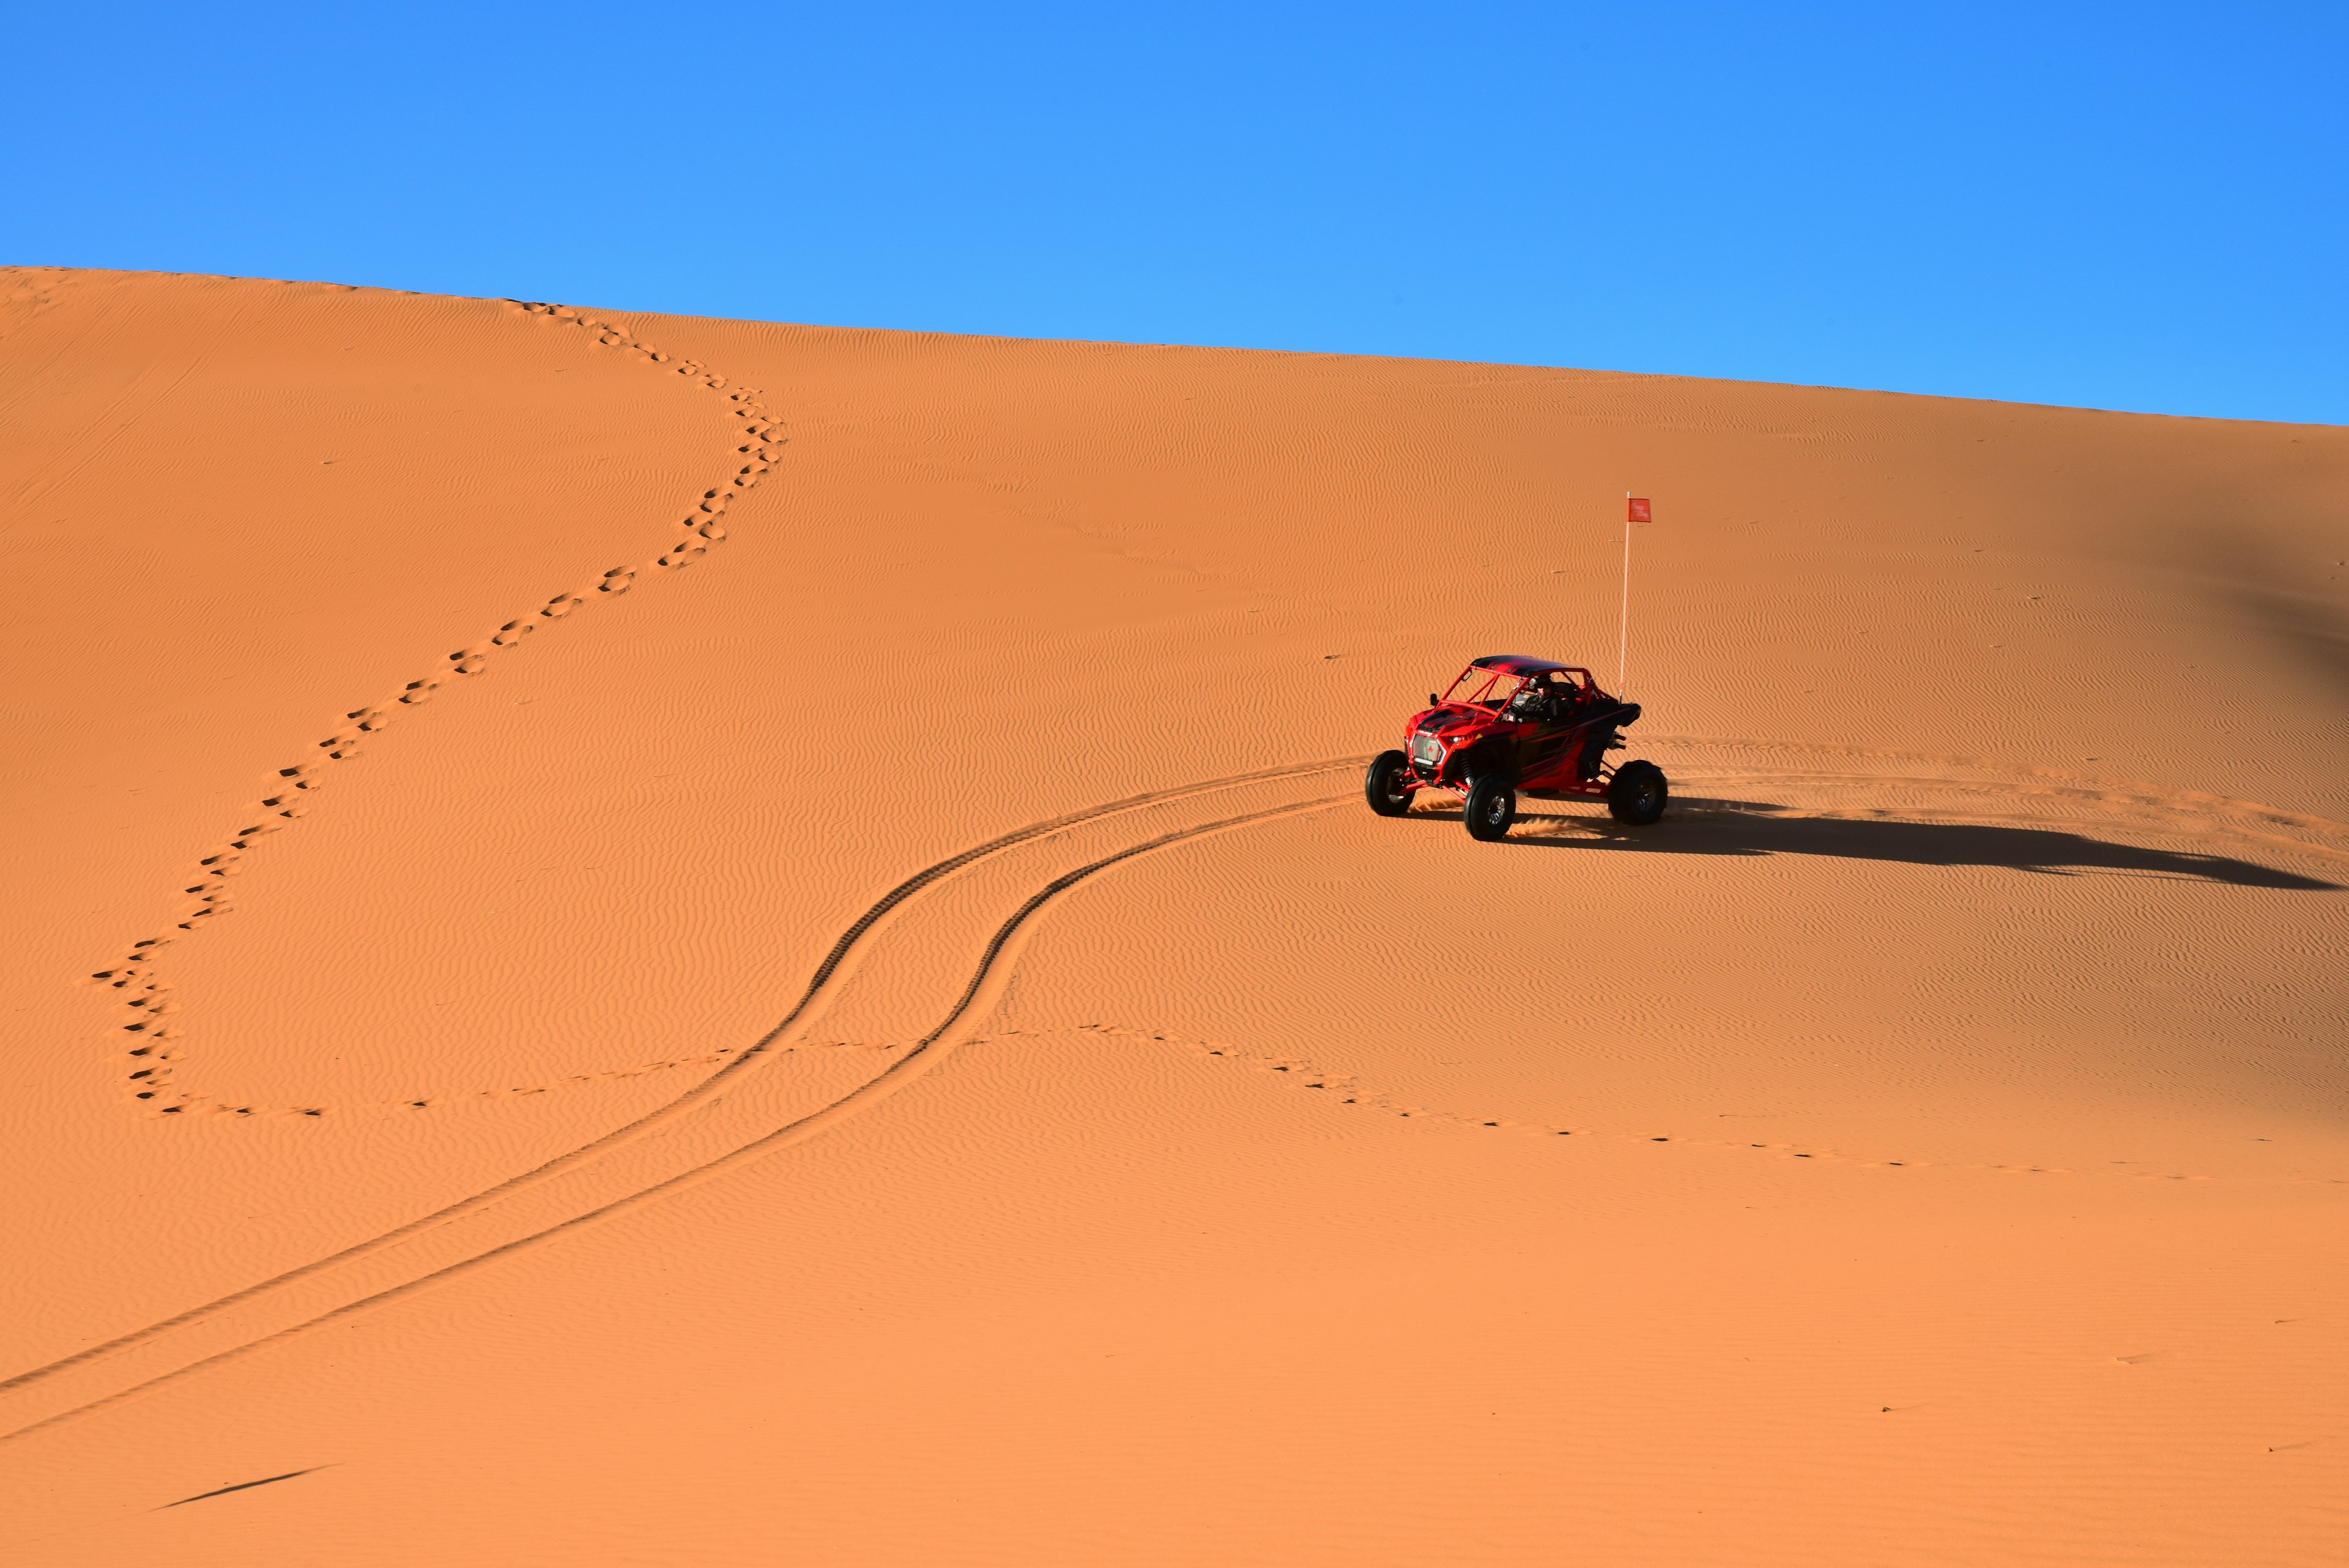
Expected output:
(1747, 828)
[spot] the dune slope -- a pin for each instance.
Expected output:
(650, 939)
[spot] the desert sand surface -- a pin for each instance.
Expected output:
(656, 940)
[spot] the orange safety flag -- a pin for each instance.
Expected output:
(1639, 504)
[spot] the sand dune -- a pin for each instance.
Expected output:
(902, 1042)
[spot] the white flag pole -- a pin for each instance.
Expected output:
(1623, 636)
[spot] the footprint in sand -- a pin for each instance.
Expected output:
(146, 999)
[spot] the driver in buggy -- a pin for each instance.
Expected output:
(1560, 706)
(1548, 698)
(1535, 704)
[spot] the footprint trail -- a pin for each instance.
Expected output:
(151, 1065)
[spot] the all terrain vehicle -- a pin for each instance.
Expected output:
(1515, 726)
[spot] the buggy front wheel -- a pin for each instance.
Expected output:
(1637, 793)
(1385, 784)
(1492, 809)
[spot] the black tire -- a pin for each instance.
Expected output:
(1638, 793)
(1383, 786)
(1492, 808)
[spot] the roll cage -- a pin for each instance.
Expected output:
(1492, 686)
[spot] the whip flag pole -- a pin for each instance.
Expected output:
(1635, 509)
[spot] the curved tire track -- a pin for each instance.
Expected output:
(708, 1088)
(2214, 811)
(917, 1061)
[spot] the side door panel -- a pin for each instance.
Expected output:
(1546, 745)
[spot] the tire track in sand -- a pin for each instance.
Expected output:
(743, 1063)
(2219, 817)
(2159, 808)
(914, 1062)
(152, 1064)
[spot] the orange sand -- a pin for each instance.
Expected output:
(1926, 1146)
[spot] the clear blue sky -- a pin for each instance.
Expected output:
(2140, 206)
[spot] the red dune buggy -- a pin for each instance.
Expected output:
(1515, 726)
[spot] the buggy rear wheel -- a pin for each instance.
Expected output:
(1384, 785)
(1637, 793)
(1492, 808)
